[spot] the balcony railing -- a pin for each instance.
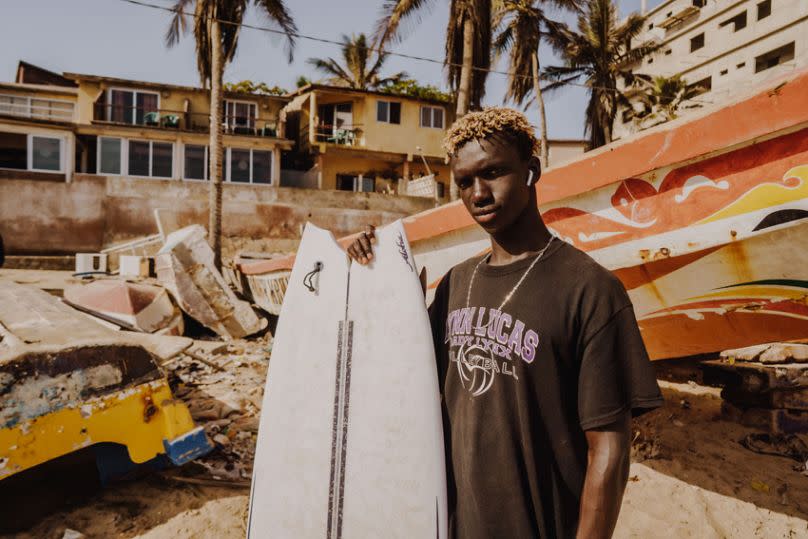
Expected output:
(36, 107)
(173, 119)
(345, 135)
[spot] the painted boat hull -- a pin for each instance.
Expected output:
(704, 221)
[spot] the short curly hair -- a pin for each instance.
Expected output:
(489, 123)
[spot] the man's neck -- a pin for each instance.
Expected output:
(524, 238)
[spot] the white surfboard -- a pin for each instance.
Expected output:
(350, 443)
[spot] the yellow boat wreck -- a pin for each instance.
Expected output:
(67, 383)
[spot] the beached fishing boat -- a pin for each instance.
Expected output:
(703, 219)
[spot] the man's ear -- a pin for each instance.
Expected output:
(534, 167)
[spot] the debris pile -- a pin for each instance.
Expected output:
(185, 266)
(764, 386)
(222, 384)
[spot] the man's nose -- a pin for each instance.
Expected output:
(481, 194)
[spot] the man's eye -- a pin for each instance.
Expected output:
(494, 172)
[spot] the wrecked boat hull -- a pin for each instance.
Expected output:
(703, 220)
(67, 383)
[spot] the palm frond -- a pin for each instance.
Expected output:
(277, 12)
(393, 14)
(179, 24)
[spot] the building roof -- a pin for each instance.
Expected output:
(31, 74)
(162, 86)
(344, 89)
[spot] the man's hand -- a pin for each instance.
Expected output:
(361, 249)
(606, 478)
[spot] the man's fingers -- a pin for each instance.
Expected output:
(364, 241)
(370, 232)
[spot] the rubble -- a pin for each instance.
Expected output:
(185, 266)
(134, 306)
(225, 402)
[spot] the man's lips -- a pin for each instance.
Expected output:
(485, 216)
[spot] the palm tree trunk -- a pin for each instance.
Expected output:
(215, 146)
(545, 147)
(464, 88)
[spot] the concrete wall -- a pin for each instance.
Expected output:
(44, 217)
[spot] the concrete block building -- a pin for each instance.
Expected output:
(721, 47)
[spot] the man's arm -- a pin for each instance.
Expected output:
(606, 478)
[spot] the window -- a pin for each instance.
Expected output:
(132, 106)
(764, 9)
(741, 65)
(347, 182)
(249, 166)
(150, 159)
(388, 112)
(14, 105)
(651, 26)
(702, 86)
(669, 51)
(699, 3)
(696, 42)
(650, 60)
(110, 155)
(240, 116)
(441, 187)
(48, 109)
(45, 153)
(40, 153)
(724, 72)
(14, 151)
(196, 162)
(738, 22)
(432, 117)
(778, 56)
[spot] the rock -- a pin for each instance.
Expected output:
(222, 440)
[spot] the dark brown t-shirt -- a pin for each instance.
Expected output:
(520, 387)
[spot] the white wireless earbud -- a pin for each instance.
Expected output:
(530, 177)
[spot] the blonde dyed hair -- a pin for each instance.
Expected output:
(489, 122)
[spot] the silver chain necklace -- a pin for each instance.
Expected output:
(516, 286)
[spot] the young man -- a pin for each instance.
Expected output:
(540, 359)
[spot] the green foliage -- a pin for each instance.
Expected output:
(411, 88)
(302, 81)
(250, 87)
(662, 98)
(361, 66)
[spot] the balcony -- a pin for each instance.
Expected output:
(343, 135)
(179, 120)
(36, 108)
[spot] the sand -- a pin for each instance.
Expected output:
(689, 478)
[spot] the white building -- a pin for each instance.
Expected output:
(722, 46)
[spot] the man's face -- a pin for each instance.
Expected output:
(491, 177)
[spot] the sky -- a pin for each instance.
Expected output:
(114, 38)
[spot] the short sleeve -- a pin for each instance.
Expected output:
(438, 311)
(616, 375)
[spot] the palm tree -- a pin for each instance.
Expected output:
(600, 52)
(521, 25)
(467, 48)
(662, 97)
(216, 28)
(355, 72)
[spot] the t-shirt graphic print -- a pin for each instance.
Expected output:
(485, 343)
(521, 382)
